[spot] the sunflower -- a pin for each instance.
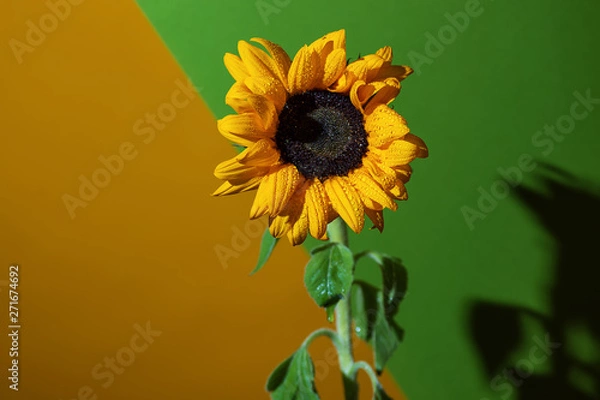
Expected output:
(320, 139)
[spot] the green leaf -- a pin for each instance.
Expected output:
(288, 388)
(397, 329)
(364, 308)
(278, 375)
(329, 273)
(306, 375)
(385, 339)
(266, 248)
(395, 279)
(298, 383)
(386, 334)
(238, 147)
(372, 324)
(380, 394)
(321, 247)
(395, 283)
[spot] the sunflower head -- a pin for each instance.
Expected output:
(320, 139)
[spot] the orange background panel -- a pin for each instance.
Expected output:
(122, 295)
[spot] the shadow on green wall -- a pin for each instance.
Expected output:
(562, 359)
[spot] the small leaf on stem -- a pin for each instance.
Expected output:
(395, 279)
(294, 378)
(329, 273)
(266, 248)
(395, 282)
(278, 375)
(385, 339)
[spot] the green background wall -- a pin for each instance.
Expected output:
(493, 268)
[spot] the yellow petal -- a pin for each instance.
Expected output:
(277, 187)
(320, 66)
(355, 71)
(403, 172)
(376, 216)
(237, 98)
(373, 94)
(293, 219)
(337, 39)
(399, 72)
(373, 64)
(370, 68)
(344, 83)
(384, 125)
(278, 226)
(281, 59)
(265, 110)
(422, 150)
(359, 94)
(383, 174)
(400, 152)
(335, 64)
(298, 219)
(317, 206)
(259, 208)
(303, 71)
(228, 188)
(258, 63)
(297, 233)
(255, 161)
(269, 87)
(399, 191)
(243, 129)
(236, 67)
(383, 93)
(262, 154)
(370, 191)
(331, 52)
(359, 68)
(376, 66)
(385, 53)
(346, 201)
(232, 169)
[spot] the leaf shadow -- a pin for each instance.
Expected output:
(569, 210)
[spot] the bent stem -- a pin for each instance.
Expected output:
(331, 334)
(338, 233)
(367, 368)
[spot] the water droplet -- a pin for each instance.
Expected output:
(330, 313)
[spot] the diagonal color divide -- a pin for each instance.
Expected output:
(122, 293)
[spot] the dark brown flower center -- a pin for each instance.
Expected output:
(322, 134)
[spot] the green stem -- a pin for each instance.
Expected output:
(338, 233)
(367, 368)
(343, 322)
(331, 334)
